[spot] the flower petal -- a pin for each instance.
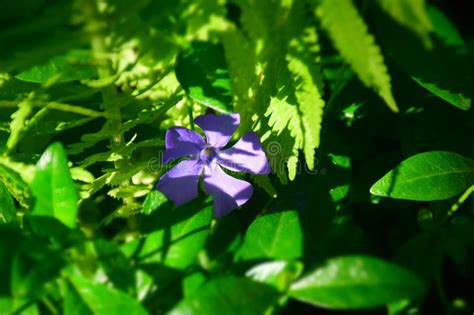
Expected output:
(181, 141)
(228, 192)
(218, 128)
(246, 155)
(181, 182)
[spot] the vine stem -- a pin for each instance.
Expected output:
(98, 29)
(104, 70)
(56, 106)
(458, 204)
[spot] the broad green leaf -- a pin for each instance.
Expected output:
(72, 66)
(7, 206)
(104, 300)
(8, 250)
(193, 282)
(203, 74)
(33, 266)
(444, 69)
(116, 266)
(53, 188)
(153, 201)
(278, 274)
(11, 306)
(229, 295)
(411, 14)
(179, 245)
(351, 37)
(274, 235)
(428, 176)
(73, 304)
(355, 282)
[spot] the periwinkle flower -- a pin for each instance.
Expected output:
(207, 157)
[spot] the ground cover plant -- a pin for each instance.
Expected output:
(236, 157)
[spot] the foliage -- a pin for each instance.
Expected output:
(364, 112)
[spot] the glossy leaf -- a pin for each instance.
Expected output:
(203, 73)
(72, 66)
(102, 299)
(435, 175)
(278, 274)
(444, 69)
(355, 282)
(274, 235)
(52, 187)
(229, 295)
(7, 206)
(179, 245)
(153, 201)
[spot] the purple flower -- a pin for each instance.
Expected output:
(180, 184)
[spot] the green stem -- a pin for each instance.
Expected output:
(109, 92)
(189, 105)
(458, 204)
(442, 295)
(56, 106)
(337, 88)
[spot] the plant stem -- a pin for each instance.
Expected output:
(189, 105)
(337, 88)
(458, 204)
(109, 93)
(57, 106)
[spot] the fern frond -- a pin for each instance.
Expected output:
(411, 14)
(351, 37)
(298, 106)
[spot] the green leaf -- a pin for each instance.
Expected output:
(351, 37)
(444, 69)
(7, 206)
(355, 282)
(53, 187)
(30, 272)
(202, 72)
(153, 201)
(72, 66)
(428, 176)
(179, 245)
(73, 304)
(411, 14)
(278, 274)
(229, 295)
(116, 266)
(104, 300)
(295, 113)
(15, 184)
(274, 235)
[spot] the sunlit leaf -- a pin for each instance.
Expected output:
(52, 187)
(102, 299)
(354, 282)
(443, 69)
(229, 295)
(202, 72)
(7, 207)
(75, 65)
(427, 176)
(274, 235)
